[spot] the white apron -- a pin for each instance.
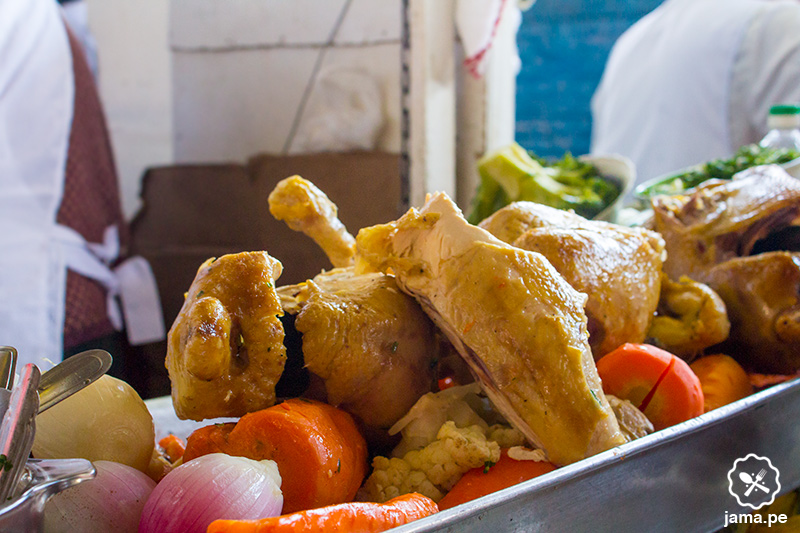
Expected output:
(36, 107)
(663, 98)
(36, 99)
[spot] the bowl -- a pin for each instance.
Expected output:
(642, 196)
(621, 171)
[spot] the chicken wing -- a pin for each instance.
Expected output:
(619, 268)
(225, 349)
(516, 321)
(305, 208)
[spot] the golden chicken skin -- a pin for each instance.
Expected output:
(740, 237)
(225, 350)
(370, 342)
(617, 267)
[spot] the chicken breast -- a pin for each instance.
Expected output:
(515, 320)
(742, 238)
(225, 349)
(619, 268)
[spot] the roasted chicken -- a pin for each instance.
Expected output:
(518, 324)
(741, 238)
(617, 267)
(690, 318)
(305, 208)
(225, 349)
(372, 344)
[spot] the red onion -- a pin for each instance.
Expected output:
(210, 487)
(112, 501)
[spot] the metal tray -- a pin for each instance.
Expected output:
(673, 480)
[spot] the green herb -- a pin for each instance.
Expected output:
(199, 294)
(487, 465)
(5, 464)
(747, 156)
(269, 284)
(220, 424)
(595, 396)
(394, 346)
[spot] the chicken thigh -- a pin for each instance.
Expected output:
(619, 268)
(372, 344)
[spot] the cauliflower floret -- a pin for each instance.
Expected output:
(505, 436)
(392, 477)
(434, 469)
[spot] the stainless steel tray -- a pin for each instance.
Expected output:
(673, 480)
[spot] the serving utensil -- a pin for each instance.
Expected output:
(17, 430)
(71, 375)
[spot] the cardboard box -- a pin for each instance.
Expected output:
(193, 212)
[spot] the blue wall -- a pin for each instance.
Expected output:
(563, 45)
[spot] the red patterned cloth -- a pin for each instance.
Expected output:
(90, 203)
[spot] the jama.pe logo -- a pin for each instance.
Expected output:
(753, 481)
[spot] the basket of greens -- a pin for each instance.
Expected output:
(592, 186)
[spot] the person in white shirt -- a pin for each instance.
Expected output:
(694, 80)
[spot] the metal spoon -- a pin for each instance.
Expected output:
(71, 375)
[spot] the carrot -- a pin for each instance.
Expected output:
(173, 447)
(351, 517)
(485, 480)
(660, 384)
(208, 439)
(321, 455)
(723, 380)
(762, 381)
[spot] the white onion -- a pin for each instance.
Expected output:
(106, 421)
(211, 487)
(111, 502)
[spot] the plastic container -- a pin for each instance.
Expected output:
(784, 127)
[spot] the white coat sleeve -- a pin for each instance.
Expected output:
(766, 71)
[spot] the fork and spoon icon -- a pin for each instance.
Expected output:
(753, 483)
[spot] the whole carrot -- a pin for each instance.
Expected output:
(357, 517)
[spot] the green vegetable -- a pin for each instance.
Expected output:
(747, 156)
(511, 174)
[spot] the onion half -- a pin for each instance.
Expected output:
(211, 487)
(112, 501)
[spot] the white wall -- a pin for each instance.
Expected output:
(135, 86)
